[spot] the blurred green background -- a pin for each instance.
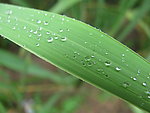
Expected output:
(31, 85)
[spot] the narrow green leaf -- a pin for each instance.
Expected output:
(2, 108)
(138, 15)
(124, 6)
(141, 23)
(21, 3)
(47, 107)
(81, 50)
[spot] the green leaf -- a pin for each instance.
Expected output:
(47, 107)
(137, 16)
(81, 50)
(21, 3)
(2, 108)
(71, 104)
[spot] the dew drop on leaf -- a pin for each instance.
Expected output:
(24, 27)
(39, 34)
(35, 32)
(87, 58)
(14, 28)
(123, 55)
(134, 78)
(50, 40)
(125, 84)
(47, 32)
(118, 69)
(63, 39)
(61, 30)
(144, 84)
(107, 63)
(92, 56)
(56, 38)
(45, 23)
(31, 31)
(39, 21)
(29, 35)
(9, 12)
(40, 28)
(62, 19)
(37, 45)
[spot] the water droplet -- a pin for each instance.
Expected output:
(66, 55)
(138, 72)
(107, 63)
(63, 39)
(9, 12)
(35, 32)
(106, 75)
(100, 70)
(40, 28)
(37, 44)
(24, 27)
(62, 19)
(117, 68)
(8, 21)
(123, 55)
(50, 40)
(47, 32)
(39, 34)
(125, 84)
(134, 78)
(61, 30)
(87, 58)
(53, 16)
(45, 23)
(147, 92)
(89, 63)
(106, 53)
(92, 56)
(56, 38)
(14, 28)
(39, 21)
(83, 63)
(76, 54)
(31, 31)
(144, 84)
(30, 35)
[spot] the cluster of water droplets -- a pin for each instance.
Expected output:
(37, 31)
(88, 61)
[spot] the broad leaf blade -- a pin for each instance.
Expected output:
(81, 50)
